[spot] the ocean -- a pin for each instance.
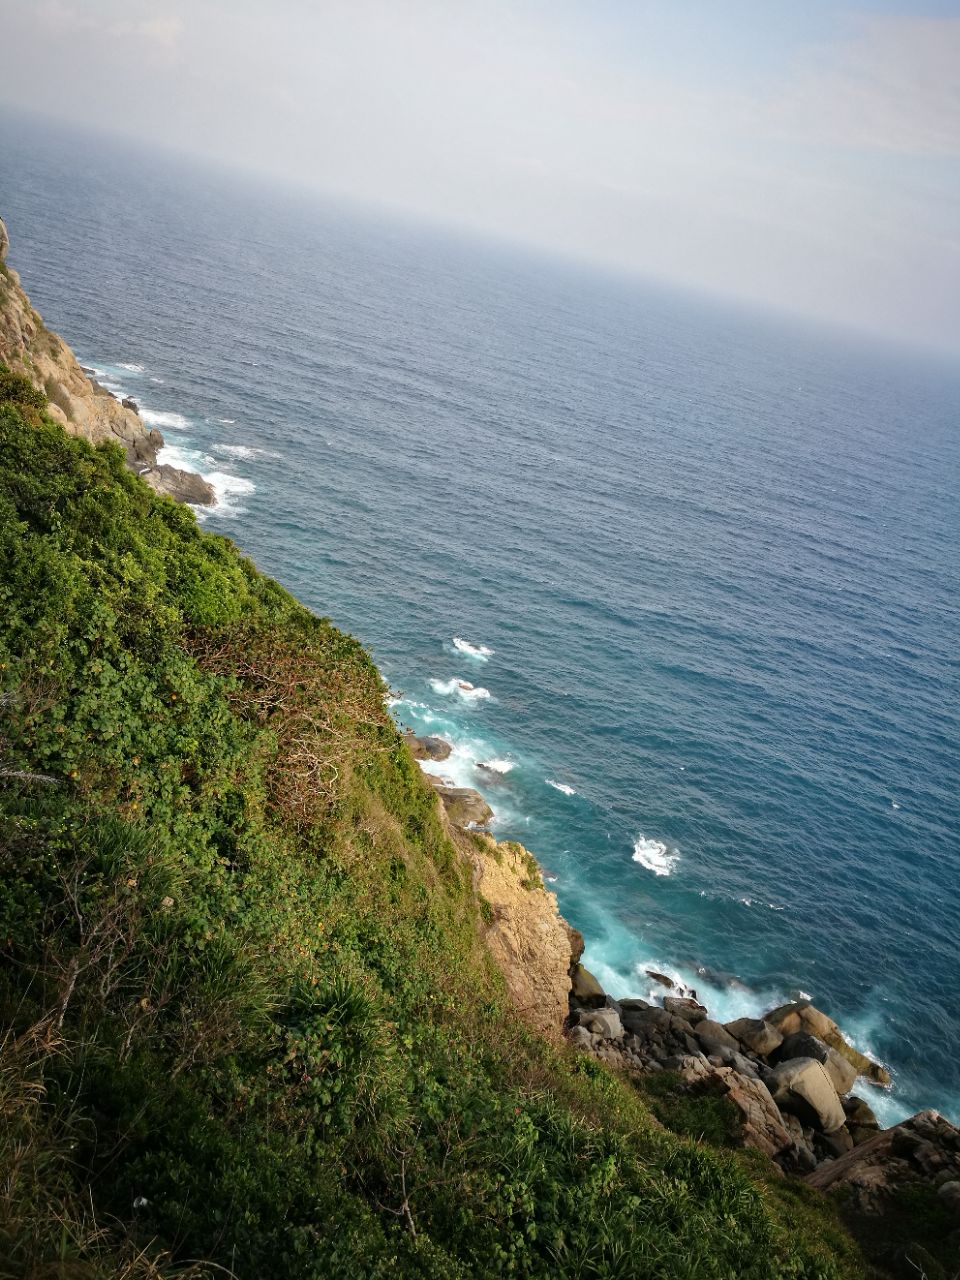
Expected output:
(699, 568)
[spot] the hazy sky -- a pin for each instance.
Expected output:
(799, 153)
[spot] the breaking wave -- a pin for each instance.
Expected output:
(655, 856)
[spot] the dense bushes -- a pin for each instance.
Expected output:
(248, 1015)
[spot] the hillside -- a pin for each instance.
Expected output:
(266, 1012)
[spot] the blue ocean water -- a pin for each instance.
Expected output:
(704, 565)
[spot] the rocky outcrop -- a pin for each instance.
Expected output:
(464, 806)
(527, 937)
(789, 1090)
(78, 403)
(801, 1016)
(427, 747)
(922, 1151)
(4, 241)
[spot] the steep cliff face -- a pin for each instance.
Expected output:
(530, 942)
(80, 405)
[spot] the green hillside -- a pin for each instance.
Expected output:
(249, 1023)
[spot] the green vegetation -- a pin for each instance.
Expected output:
(247, 1014)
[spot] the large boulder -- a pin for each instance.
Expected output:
(427, 747)
(603, 1022)
(756, 1035)
(682, 1007)
(586, 990)
(714, 1036)
(802, 1016)
(802, 1086)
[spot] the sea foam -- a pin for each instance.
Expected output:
(560, 786)
(479, 651)
(164, 418)
(655, 856)
(466, 690)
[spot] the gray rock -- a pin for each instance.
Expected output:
(428, 747)
(801, 1085)
(580, 1037)
(801, 1044)
(949, 1193)
(606, 1023)
(586, 990)
(465, 807)
(682, 1007)
(859, 1113)
(129, 403)
(714, 1036)
(184, 486)
(662, 978)
(756, 1035)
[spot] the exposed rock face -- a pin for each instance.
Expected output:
(527, 937)
(4, 241)
(428, 747)
(924, 1150)
(80, 405)
(465, 807)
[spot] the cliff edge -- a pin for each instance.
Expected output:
(79, 404)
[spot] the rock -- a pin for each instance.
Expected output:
(129, 403)
(604, 1022)
(756, 1035)
(4, 241)
(464, 806)
(949, 1193)
(580, 1037)
(802, 1016)
(714, 1036)
(843, 1074)
(762, 1125)
(643, 1021)
(427, 747)
(683, 1007)
(633, 1003)
(802, 1086)
(525, 933)
(662, 978)
(184, 486)
(576, 945)
(832, 1145)
(801, 1044)
(859, 1112)
(586, 990)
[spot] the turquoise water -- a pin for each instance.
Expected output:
(714, 557)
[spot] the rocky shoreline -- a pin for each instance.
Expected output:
(798, 1089)
(76, 400)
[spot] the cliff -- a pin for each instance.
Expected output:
(79, 404)
(263, 1003)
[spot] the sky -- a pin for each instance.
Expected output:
(802, 156)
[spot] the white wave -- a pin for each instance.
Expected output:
(132, 368)
(655, 856)
(560, 786)
(229, 490)
(496, 766)
(466, 690)
(479, 651)
(245, 451)
(227, 422)
(164, 418)
(157, 380)
(894, 805)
